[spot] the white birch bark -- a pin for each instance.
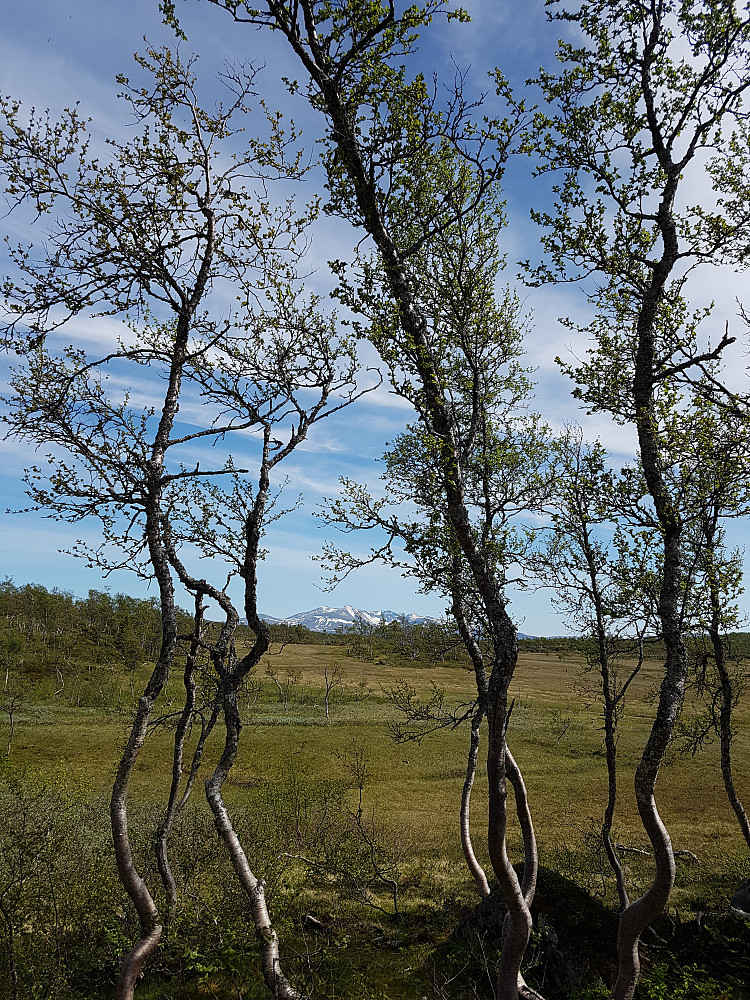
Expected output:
(276, 981)
(477, 871)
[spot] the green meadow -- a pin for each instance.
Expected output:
(355, 833)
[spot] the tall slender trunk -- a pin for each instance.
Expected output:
(480, 676)
(297, 23)
(725, 736)
(612, 709)
(148, 914)
(176, 802)
(640, 912)
(530, 856)
(492, 696)
(230, 674)
(478, 873)
(610, 729)
(276, 981)
(186, 716)
(610, 705)
(523, 812)
(176, 805)
(727, 688)
(517, 930)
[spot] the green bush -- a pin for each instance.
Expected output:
(665, 981)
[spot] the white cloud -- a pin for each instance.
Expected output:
(319, 444)
(311, 484)
(98, 335)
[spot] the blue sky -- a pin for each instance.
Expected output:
(53, 54)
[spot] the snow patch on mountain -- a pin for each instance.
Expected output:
(327, 619)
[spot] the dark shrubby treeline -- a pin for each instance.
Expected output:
(77, 649)
(50, 627)
(434, 643)
(738, 646)
(399, 641)
(47, 626)
(43, 630)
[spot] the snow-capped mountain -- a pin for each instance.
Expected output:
(325, 619)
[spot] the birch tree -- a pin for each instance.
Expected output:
(719, 676)
(154, 233)
(598, 556)
(416, 538)
(403, 169)
(653, 94)
(503, 450)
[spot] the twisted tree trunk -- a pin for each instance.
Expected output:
(517, 927)
(173, 805)
(530, 852)
(478, 873)
(134, 885)
(327, 60)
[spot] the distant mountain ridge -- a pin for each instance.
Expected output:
(325, 619)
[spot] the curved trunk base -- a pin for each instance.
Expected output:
(277, 983)
(577, 934)
(134, 961)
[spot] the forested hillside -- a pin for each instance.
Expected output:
(41, 628)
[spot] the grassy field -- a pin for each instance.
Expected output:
(299, 773)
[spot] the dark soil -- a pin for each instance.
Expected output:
(573, 945)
